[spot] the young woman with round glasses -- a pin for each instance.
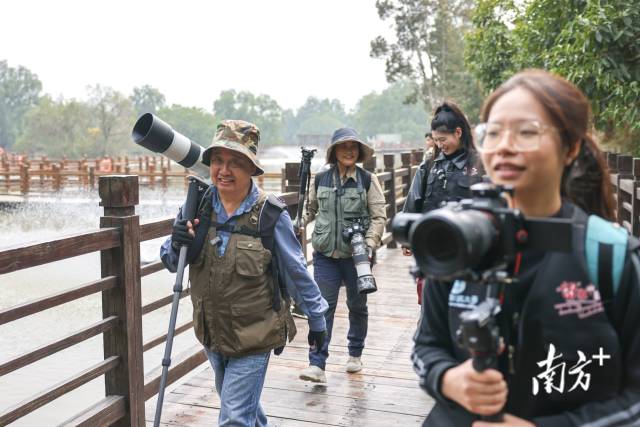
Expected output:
(571, 342)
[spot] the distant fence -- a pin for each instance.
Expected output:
(118, 240)
(23, 176)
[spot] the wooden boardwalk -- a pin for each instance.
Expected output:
(384, 393)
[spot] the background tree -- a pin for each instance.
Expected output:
(114, 118)
(387, 112)
(261, 110)
(59, 128)
(429, 51)
(146, 99)
(194, 123)
(319, 116)
(19, 91)
(593, 44)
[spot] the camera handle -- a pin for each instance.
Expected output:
(479, 332)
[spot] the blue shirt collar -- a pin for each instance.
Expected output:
(245, 206)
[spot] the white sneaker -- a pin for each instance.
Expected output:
(354, 364)
(314, 374)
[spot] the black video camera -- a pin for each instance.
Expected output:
(354, 235)
(467, 239)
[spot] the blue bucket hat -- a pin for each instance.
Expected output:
(349, 134)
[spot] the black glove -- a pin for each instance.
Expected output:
(180, 234)
(316, 338)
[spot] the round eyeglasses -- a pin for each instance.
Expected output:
(525, 135)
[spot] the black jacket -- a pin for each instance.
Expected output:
(441, 180)
(535, 316)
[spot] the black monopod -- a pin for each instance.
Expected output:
(188, 212)
(305, 177)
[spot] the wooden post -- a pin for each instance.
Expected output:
(42, 173)
(389, 160)
(405, 160)
(119, 196)
(92, 178)
(635, 202)
(152, 176)
(625, 171)
(24, 178)
(57, 177)
(165, 181)
(370, 164)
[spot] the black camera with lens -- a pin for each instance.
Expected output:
(354, 235)
(466, 239)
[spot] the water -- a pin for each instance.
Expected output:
(38, 221)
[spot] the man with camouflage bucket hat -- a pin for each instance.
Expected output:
(241, 246)
(341, 195)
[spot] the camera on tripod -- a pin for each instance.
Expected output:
(354, 235)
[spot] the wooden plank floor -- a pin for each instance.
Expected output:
(384, 393)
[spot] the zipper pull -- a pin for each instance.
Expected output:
(512, 367)
(444, 186)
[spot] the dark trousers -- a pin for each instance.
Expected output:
(330, 274)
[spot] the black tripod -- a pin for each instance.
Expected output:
(188, 213)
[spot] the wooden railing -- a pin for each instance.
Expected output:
(118, 240)
(21, 175)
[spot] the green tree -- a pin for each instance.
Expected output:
(320, 116)
(592, 43)
(262, 110)
(194, 123)
(114, 117)
(59, 128)
(429, 51)
(147, 99)
(386, 112)
(19, 91)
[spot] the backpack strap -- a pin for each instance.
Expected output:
(364, 179)
(323, 177)
(269, 216)
(606, 248)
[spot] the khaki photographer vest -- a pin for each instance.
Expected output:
(335, 213)
(232, 294)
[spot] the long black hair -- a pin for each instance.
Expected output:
(447, 117)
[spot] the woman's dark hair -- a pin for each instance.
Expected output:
(447, 118)
(585, 181)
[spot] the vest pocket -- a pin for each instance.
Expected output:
(256, 326)
(323, 200)
(200, 323)
(249, 258)
(321, 237)
(351, 203)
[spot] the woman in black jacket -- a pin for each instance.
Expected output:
(448, 172)
(571, 342)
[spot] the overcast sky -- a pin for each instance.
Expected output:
(192, 49)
